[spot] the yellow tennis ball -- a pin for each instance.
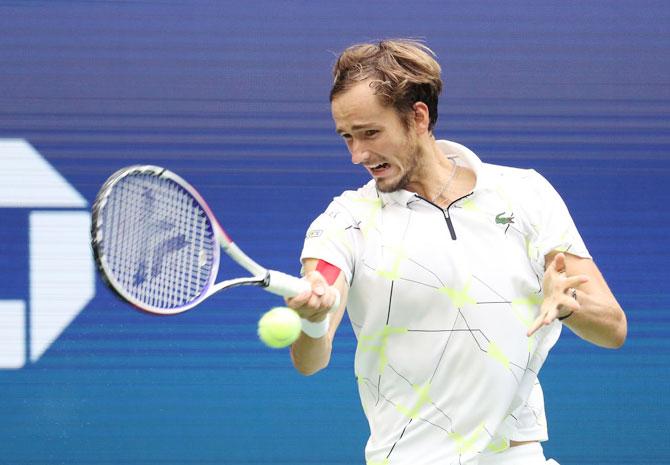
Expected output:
(279, 327)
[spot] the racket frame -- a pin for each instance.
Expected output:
(275, 282)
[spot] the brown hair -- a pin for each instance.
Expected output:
(402, 72)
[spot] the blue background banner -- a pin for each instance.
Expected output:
(233, 96)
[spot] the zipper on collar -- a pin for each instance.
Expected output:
(445, 213)
(450, 225)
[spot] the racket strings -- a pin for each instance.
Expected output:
(159, 242)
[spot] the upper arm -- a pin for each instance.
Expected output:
(553, 227)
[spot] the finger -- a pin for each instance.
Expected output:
(328, 293)
(318, 282)
(318, 289)
(548, 313)
(559, 262)
(575, 281)
(334, 298)
(318, 301)
(537, 324)
(553, 269)
(565, 283)
(542, 320)
(306, 311)
(299, 300)
(568, 303)
(328, 300)
(325, 301)
(314, 301)
(302, 298)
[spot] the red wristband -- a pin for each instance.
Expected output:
(328, 271)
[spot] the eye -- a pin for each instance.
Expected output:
(371, 132)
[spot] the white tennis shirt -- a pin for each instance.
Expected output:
(440, 302)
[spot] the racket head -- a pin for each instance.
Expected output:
(155, 240)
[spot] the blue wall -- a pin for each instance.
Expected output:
(233, 96)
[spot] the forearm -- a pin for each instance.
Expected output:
(310, 355)
(592, 312)
(599, 320)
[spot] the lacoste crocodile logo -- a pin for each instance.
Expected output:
(500, 219)
(505, 220)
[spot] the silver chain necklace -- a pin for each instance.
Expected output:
(446, 185)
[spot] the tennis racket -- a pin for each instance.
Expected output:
(157, 244)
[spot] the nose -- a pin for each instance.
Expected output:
(359, 153)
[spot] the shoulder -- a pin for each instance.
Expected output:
(526, 192)
(520, 181)
(509, 173)
(355, 202)
(366, 192)
(350, 207)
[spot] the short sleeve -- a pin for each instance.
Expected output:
(332, 237)
(554, 227)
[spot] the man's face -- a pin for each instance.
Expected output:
(377, 138)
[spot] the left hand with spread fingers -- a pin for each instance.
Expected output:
(558, 294)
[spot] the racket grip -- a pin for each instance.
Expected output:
(286, 285)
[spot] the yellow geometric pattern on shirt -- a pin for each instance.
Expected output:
(396, 259)
(465, 444)
(534, 248)
(422, 398)
(565, 244)
(459, 297)
(378, 462)
(367, 210)
(498, 445)
(377, 342)
(504, 197)
(469, 204)
(495, 352)
(525, 308)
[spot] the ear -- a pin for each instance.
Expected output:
(421, 117)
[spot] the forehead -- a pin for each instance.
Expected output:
(359, 105)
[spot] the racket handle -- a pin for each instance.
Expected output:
(286, 285)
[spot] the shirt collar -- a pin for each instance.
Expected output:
(463, 156)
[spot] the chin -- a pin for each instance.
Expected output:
(385, 189)
(387, 186)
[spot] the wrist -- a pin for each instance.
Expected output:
(573, 293)
(567, 315)
(316, 329)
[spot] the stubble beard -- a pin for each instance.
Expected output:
(397, 185)
(412, 167)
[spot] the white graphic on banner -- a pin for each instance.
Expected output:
(62, 277)
(12, 333)
(28, 181)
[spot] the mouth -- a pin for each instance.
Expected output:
(378, 169)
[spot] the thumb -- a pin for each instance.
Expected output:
(318, 283)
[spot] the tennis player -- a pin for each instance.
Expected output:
(458, 276)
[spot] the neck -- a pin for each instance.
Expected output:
(436, 174)
(445, 188)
